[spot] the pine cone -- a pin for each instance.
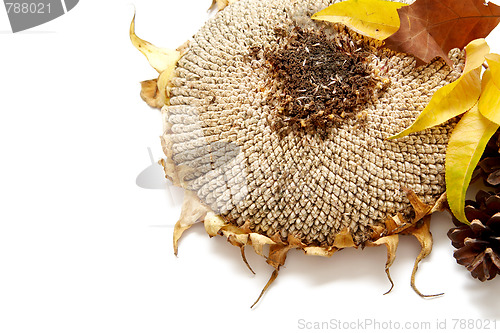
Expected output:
(478, 244)
(489, 165)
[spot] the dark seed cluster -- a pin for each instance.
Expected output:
(320, 80)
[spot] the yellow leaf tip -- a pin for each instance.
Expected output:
(397, 136)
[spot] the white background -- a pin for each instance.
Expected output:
(83, 248)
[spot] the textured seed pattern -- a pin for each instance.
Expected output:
(219, 129)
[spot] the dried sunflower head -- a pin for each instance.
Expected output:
(276, 127)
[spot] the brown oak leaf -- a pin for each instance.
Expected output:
(431, 28)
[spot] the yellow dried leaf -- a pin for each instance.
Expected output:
(159, 58)
(493, 60)
(486, 79)
(489, 102)
(465, 147)
(373, 18)
(456, 97)
(475, 51)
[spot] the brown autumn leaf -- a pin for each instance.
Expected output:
(431, 28)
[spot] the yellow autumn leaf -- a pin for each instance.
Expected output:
(159, 58)
(489, 102)
(493, 60)
(485, 80)
(465, 147)
(373, 18)
(456, 97)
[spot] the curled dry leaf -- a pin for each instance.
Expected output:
(373, 18)
(431, 28)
